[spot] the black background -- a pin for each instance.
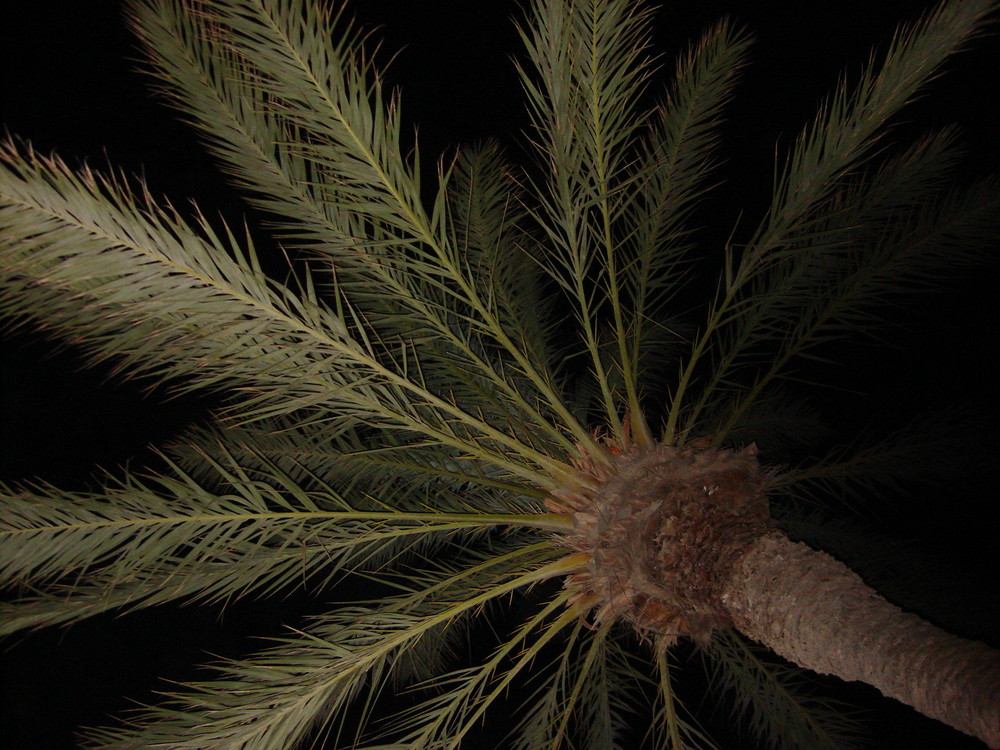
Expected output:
(69, 84)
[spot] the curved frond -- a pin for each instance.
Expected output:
(290, 689)
(670, 725)
(395, 262)
(132, 281)
(488, 224)
(362, 466)
(673, 167)
(891, 235)
(839, 142)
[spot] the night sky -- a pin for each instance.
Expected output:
(70, 85)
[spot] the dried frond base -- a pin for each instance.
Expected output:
(662, 528)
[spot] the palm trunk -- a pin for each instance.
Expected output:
(814, 611)
(677, 541)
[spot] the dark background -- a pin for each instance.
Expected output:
(69, 84)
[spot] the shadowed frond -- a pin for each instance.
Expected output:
(365, 468)
(891, 240)
(674, 164)
(931, 449)
(775, 701)
(308, 678)
(489, 228)
(839, 142)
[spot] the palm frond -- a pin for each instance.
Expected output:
(170, 301)
(847, 128)
(212, 87)
(394, 260)
(588, 698)
(671, 728)
(931, 449)
(290, 689)
(467, 693)
(359, 465)
(167, 538)
(674, 163)
(840, 140)
(299, 685)
(893, 234)
(589, 70)
(544, 706)
(774, 701)
(487, 219)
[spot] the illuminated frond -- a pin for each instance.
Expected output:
(146, 542)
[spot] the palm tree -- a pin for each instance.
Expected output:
(504, 399)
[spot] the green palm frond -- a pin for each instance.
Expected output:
(167, 538)
(545, 705)
(463, 696)
(488, 225)
(593, 688)
(171, 301)
(344, 149)
(309, 677)
(851, 123)
(589, 69)
(414, 475)
(670, 725)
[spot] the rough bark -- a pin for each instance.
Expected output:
(814, 611)
(661, 529)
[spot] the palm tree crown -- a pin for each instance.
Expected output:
(501, 398)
